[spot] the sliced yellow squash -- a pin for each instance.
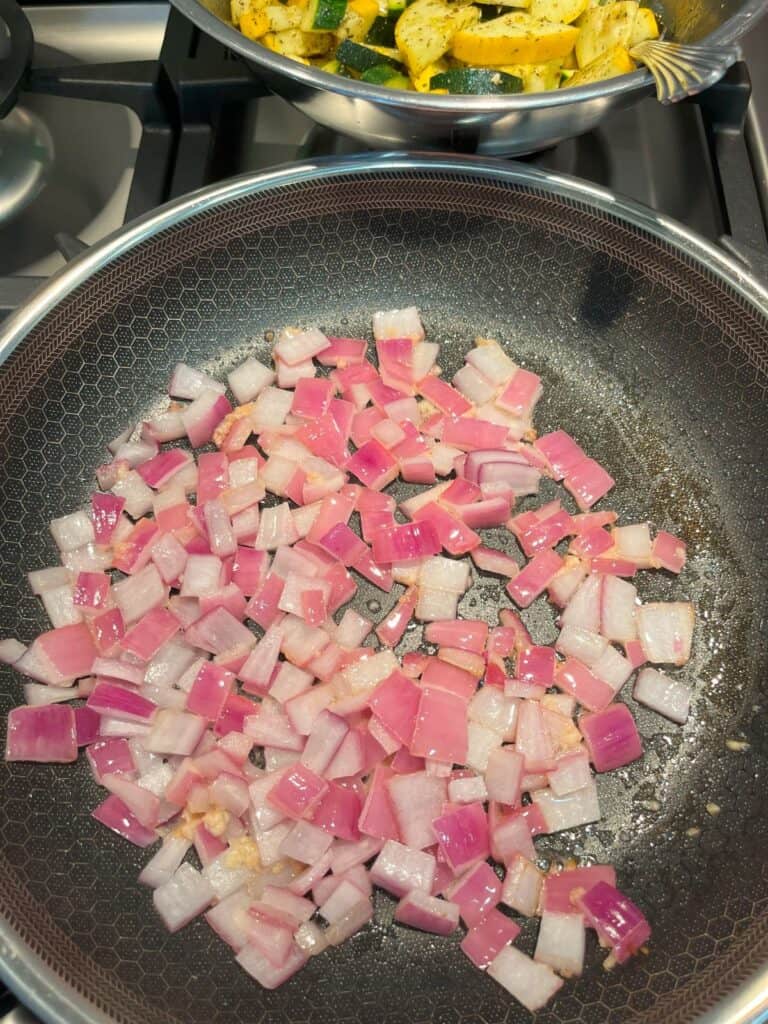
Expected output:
(237, 8)
(615, 61)
(603, 28)
(514, 38)
(358, 19)
(293, 42)
(536, 77)
(563, 11)
(254, 23)
(282, 18)
(645, 27)
(424, 31)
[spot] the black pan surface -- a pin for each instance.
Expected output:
(656, 364)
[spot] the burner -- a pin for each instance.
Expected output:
(26, 155)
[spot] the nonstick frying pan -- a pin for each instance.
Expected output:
(654, 352)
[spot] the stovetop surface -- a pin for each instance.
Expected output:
(96, 88)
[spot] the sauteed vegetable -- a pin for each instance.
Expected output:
(454, 46)
(292, 754)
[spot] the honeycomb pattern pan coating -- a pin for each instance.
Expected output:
(656, 364)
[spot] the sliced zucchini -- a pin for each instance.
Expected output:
(421, 81)
(477, 82)
(385, 74)
(397, 6)
(382, 31)
(323, 15)
(361, 58)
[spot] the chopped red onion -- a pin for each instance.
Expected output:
(617, 921)
(488, 937)
(660, 693)
(531, 983)
(366, 752)
(427, 913)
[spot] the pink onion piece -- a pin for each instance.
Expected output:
(404, 760)
(45, 733)
(531, 983)
(617, 921)
(488, 937)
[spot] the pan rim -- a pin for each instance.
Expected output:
(95, 258)
(37, 986)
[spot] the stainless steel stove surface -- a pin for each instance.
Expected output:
(126, 106)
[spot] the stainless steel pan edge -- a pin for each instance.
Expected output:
(492, 125)
(36, 985)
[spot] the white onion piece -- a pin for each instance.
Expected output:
(582, 644)
(41, 580)
(399, 869)
(249, 379)
(665, 630)
(224, 879)
(398, 323)
(59, 606)
(561, 943)
(467, 790)
(613, 668)
(183, 897)
(138, 497)
(161, 867)
(446, 574)
(634, 543)
(436, 605)
(618, 608)
(491, 709)
(481, 742)
(561, 812)
(660, 693)
(530, 983)
(72, 531)
(583, 609)
(230, 919)
(522, 886)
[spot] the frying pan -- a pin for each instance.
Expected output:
(654, 351)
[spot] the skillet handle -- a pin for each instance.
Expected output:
(13, 68)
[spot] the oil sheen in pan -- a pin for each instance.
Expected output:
(646, 805)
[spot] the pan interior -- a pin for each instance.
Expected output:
(657, 367)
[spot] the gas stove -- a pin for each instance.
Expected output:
(160, 110)
(126, 106)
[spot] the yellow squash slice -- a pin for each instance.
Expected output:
(645, 27)
(514, 38)
(357, 21)
(425, 30)
(564, 11)
(293, 42)
(536, 77)
(254, 23)
(603, 28)
(609, 64)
